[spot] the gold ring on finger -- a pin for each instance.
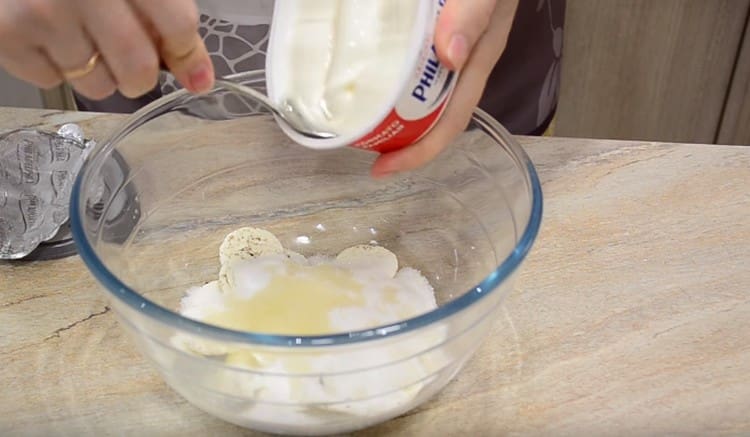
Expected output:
(83, 71)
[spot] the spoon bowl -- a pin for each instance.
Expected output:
(286, 112)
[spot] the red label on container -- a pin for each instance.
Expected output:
(421, 103)
(395, 132)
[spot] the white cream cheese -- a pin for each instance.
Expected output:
(341, 63)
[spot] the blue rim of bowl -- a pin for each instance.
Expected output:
(160, 314)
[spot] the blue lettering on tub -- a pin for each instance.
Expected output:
(431, 69)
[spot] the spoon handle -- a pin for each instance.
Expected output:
(252, 93)
(288, 114)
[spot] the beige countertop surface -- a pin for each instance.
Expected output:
(631, 315)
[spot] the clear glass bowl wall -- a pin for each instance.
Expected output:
(153, 203)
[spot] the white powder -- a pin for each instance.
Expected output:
(382, 295)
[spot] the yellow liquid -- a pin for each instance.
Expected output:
(295, 302)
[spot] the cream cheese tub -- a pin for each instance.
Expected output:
(365, 70)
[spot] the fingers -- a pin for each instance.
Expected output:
(180, 45)
(453, 121)
(124, 44)
(465, 98)
(130, 36)
(96, 85)
(460, 26)
(193, 68)
(70, 48)
(19, 53)
(33, 67)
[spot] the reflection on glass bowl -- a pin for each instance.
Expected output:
(200, 167)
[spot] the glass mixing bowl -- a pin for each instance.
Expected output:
(153, 203)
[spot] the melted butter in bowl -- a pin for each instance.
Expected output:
(265, 289)
(282, 297)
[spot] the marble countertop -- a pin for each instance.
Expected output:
(632, 314)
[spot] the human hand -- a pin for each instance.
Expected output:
(46, 42)
(470, 37)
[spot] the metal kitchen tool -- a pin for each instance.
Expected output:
(287, 113)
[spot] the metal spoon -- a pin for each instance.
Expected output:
(287, 112)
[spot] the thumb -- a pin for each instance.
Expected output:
(461, 24)
(190, 64)
(174, 25)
